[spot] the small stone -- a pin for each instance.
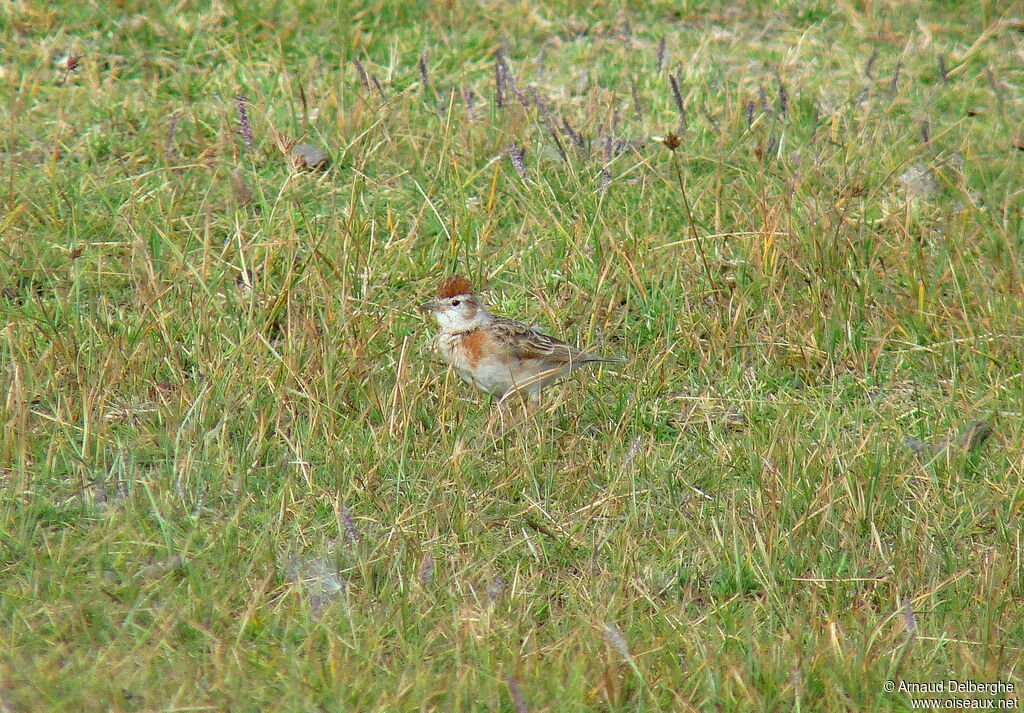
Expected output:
(919, 181)
(305, 157)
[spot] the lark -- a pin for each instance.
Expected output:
(499, 356)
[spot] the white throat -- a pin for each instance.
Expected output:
(464, 317)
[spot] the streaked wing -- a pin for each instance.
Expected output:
(527, 343)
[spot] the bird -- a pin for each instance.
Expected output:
(499, 356)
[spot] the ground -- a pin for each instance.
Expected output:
(236, 477)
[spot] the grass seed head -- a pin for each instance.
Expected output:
(350, 525)
(361, 71)
(244, 125)
(677, 96)
(783, 97)
(500, 72)
(517, 155)
(517, 695)
(424, 78)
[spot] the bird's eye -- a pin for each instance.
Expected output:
(455, 303)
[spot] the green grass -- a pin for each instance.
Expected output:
(233, 469)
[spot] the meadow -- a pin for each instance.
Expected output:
(236, 477)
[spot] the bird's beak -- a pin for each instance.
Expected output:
(431, 306)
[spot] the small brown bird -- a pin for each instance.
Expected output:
(497, 355)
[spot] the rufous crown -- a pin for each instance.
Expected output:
(454, 285)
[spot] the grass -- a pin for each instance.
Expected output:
(232, 466)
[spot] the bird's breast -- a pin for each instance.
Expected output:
(462, 350)
(470, 355)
